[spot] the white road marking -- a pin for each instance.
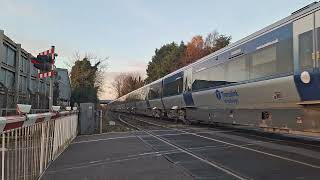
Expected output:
(311, 145)
(107, 133)
(107, 160)
(189, 153)
(96, 164)
(105, 139)
(239, 146)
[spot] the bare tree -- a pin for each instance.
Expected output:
(118, 83)
(126, 82)
(215, 41)
(211, 39)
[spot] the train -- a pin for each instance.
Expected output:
(269, 80)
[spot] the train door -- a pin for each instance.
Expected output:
(306, 44)
(187, 79)
(187, 94)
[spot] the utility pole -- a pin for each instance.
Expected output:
(51, 93)
(45, 63)
(51, 84)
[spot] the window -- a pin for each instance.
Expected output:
(10, 55)
(155, 91)
(42, 87)
(144, 93)
(285, 56)
(34, 85)
(237, 70)
(24, 65)
(10, 79)
(47, 88)
(2, 76)
(7, 78)
(188, 79)
(209, 77)
(23, 84)
(264, 62)
(3, 55)
(306, 50)
(173, 85)
(268, 55)
(34, 71)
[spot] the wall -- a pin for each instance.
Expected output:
(18, 78)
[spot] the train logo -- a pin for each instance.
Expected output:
(218, 95)
(228, 97)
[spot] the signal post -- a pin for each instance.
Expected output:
(45, 63)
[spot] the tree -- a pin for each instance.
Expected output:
(171, 57)
(165, 60)
(86, 79)
(194, 51)
(126, 83)
(117, 84)
(215, 41)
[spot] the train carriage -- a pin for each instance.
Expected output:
(270, 79)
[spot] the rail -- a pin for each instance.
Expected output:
(29, 143)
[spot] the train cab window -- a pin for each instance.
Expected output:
(264, 62)
(173, 85)
(306, 50)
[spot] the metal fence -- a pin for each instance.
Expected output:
(13, 111)
(29, 143)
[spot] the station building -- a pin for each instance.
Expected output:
(19, 82)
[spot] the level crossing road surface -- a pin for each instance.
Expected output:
(161, 149)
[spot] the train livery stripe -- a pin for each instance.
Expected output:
(188, 99)
(309, 91)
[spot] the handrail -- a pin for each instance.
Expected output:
(30, 142)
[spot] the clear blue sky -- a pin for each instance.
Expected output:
(128, 31)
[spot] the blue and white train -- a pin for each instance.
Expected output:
(270, 79)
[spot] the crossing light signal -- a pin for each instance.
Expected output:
(42, 62)
(42, 59)
(43, 66)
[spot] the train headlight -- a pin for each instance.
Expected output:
(305, 77)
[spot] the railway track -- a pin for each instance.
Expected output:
(182, 149)
(151, 127)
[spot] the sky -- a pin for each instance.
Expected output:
(129, 31)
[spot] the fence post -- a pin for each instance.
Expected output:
(1, 53)
(47, 144)
(2, 163)
(100, 121)
(1, 44)
(17, 74)
(35, 144)
(42, 146)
